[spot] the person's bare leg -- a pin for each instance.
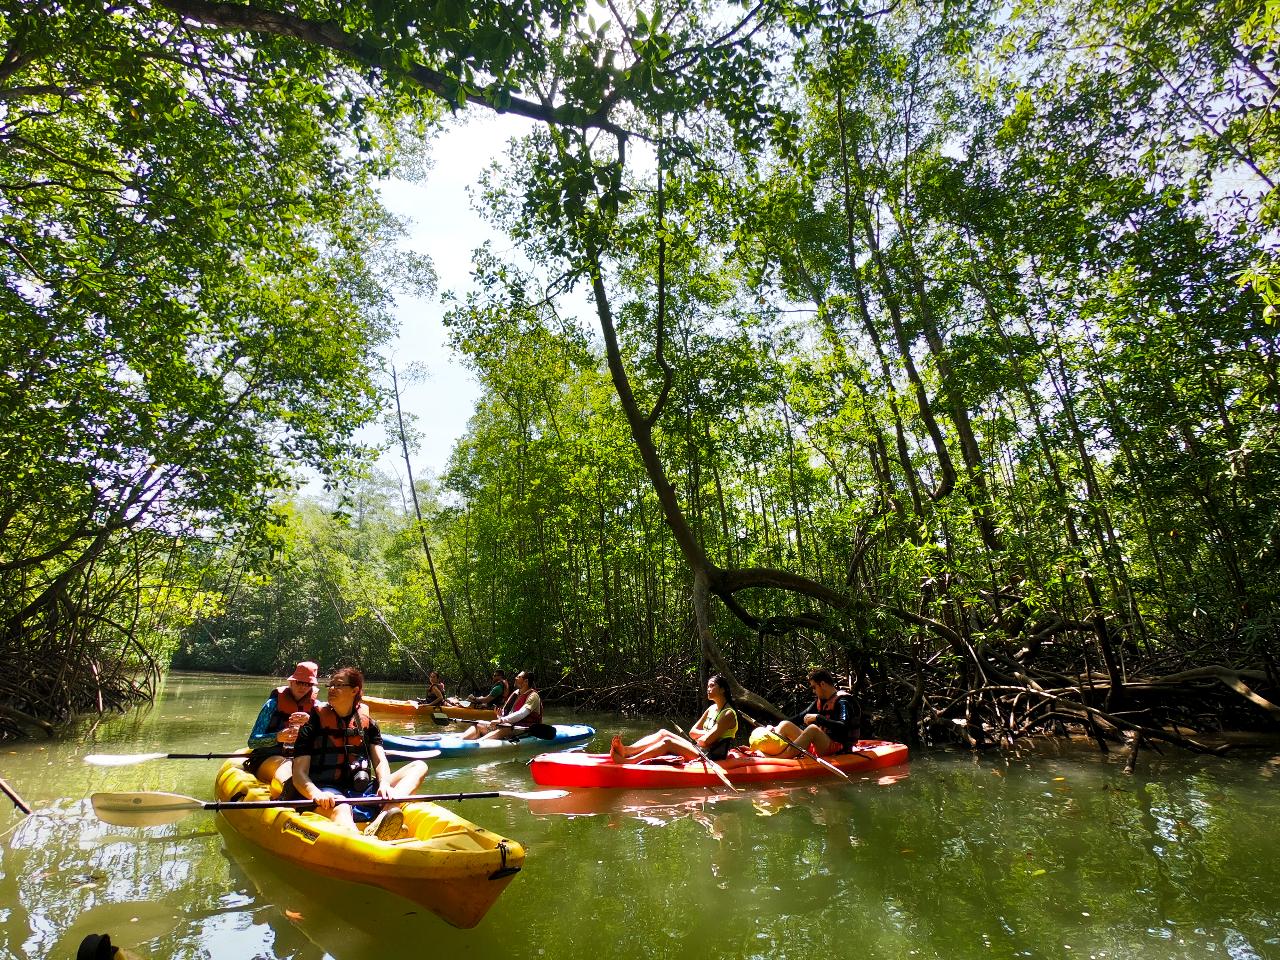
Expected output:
(341, 816)
(408, 778)
(277, 769)
(666, 745)
(812, 734)
(627, 752)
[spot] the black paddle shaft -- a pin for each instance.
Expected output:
(539, 731)
(359, 801)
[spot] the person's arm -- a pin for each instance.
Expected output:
(801, 718)
(718, 732)
(382, 768)
(844, 726)
(532, 704)
(260, 737)
(701, 726)
(301, 776)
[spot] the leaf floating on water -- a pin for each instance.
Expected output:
(1039, 873)
(294, 915)
(1058, 779)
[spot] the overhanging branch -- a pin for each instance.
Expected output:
(331, 36)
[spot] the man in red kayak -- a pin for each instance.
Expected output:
(286, 710)
(831, 724)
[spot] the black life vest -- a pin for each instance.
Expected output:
(829, 709)
(342, 759)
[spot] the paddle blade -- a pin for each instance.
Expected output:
(142, 809)
(398, 755)
(121, 759)
(534, 794)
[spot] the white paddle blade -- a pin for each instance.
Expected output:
(535, 794)
(121, 759)
(399, 755)
(142, 809)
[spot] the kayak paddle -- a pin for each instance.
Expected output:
(129, 759)
(539, 731)
(12, 794)
(152, 809)
(715, 767)
(804, 753)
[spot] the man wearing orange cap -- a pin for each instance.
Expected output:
(286, 710)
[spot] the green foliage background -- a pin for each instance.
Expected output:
(938, 340)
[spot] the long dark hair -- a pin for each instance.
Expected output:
(721, 681)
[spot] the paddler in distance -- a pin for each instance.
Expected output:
(274, 732)
(525, 712)
(339, 754)
(831, 724)
(435, 691)
(714, 732)
(496, 697)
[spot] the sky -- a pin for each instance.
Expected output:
(444, 225)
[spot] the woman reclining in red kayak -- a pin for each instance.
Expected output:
(714, 732)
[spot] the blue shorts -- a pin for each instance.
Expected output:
(361, 813)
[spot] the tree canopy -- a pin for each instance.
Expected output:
(935, 341)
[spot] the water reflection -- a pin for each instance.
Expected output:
(73, 875)
(1051, 853)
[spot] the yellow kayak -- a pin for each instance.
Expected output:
(383, 707)
(443, 862)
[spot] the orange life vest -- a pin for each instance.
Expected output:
(286, 705)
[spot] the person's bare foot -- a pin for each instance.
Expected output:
(617, 752)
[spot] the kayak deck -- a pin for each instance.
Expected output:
(452, 744)
(597, 770)
(383, 707)
(443, 862)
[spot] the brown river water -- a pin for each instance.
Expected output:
(1053, 853)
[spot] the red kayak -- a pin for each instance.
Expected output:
(597, 770)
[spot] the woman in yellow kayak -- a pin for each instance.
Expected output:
(287, 708)
(714, 732)
(339, 753)
(435, 691)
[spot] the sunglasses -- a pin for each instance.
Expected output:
(338, 686)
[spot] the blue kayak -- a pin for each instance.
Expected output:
(452, 744)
